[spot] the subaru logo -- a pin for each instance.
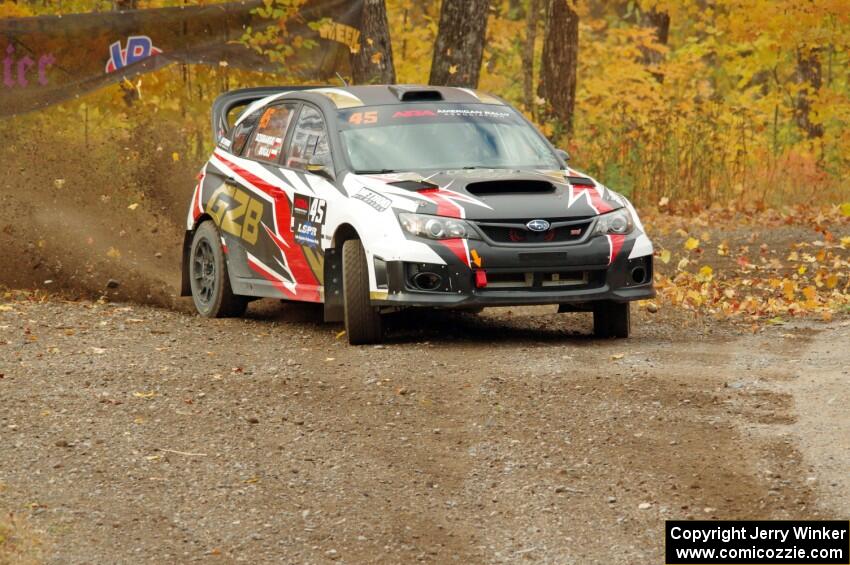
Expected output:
(537, 225)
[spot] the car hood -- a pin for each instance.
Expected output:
(497, 194)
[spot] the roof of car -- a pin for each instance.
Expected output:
(376, 95)
(343, 97)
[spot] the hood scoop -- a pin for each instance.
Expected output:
(414, 185)
(519, 186)
(580, 181)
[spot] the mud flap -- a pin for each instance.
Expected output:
(334, 308)
(185, 286)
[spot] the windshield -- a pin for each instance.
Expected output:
(407, 137)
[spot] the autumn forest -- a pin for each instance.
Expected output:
(712, 112)
(693, 99)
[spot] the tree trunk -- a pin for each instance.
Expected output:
(528, 54)
(459, 48)
(809, 74)
(560, 62)
(659, 22)
(373, 63)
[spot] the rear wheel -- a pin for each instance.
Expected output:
(611, 319)
(208, 276)
(363, 322)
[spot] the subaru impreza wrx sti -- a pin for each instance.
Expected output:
(373, 198)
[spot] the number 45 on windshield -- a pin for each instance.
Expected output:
(358, 118)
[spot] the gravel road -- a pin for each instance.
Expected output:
(134, 434)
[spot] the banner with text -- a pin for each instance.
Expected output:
(50, 59)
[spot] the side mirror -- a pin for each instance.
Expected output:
(319, 166)
(563, 155)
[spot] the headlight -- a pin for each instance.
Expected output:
(618, 222)
(436, 227)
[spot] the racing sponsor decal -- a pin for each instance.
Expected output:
(269, 145)
(472, 113)
(308, 217)
(138, 47)
(301, 204)
(413, 114)
(235, 212)
(373, 199)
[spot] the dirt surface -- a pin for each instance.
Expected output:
(822, 424)
(135, 434)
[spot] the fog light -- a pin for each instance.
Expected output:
(427, 281)
(639, 275)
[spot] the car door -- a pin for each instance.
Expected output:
(251, 206)
(308, 148)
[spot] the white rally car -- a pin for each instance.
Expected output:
(372, 198)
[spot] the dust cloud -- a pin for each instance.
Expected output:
(93, 218)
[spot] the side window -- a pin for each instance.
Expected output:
(243, 131)
(267, 142)
(310, 139)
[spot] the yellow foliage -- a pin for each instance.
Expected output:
(789, 289)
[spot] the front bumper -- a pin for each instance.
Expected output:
(573, 275)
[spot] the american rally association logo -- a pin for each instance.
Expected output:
(139, 47)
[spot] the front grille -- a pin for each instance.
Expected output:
(543, 280)
(515, 232)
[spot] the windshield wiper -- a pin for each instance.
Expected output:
(376, 172)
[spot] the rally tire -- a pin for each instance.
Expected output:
(612, 319)
(208, 276)
(363, 323)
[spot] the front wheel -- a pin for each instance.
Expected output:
(611, 319)
(363, 322)
(208, 276)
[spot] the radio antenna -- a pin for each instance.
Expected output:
(339, 76)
